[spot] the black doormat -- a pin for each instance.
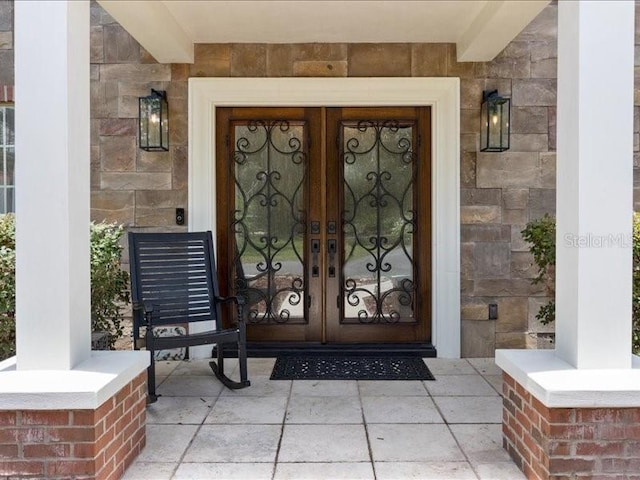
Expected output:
(350, 367)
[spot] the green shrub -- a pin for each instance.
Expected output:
(109, 283)
(541, 234)
(7, 286)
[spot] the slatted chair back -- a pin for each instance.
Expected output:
(175, 275)
(174, 282)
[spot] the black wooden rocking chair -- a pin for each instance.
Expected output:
(174, 282)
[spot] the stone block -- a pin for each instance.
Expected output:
(180, 72)
(94, 72)
(512, 314)
(155, 217)
(470, 142)
(135, 72)
(459, 69)
(529, 120)
(467, 264)
(96, 45)
(491, 260)
(508, 169)
(469, 120)
(144, 56)
(6, 67)
(542, 28)
(515, 216)
(480, 214)
(178, 131)
(319, 51)
(320, 69)
(541, 201)
(161, 199)
(552, 129)
(379, 60)
(477, 338)
(535, 325)
(429, 59)
(466, 286)
(518, 244)
(6, 16)
(548, 166)
(112, 207)
(543, 50)
(118, 127)
(135, 181)
(474, 309)
(513, 287)
(511, 340)
(279, 60)
(211, 60)
(468, 169)
(522, 265)
(485, 233)
(248, 60)
(547, 68)
(515, 198)
(480, 196)
(6, 40)
(178, 94)
(513, 62)
(529, 142)
(534, 92)
(117, 154)
(180, 170)
(153, 161)
(103, 99)
(119, 45)
(94, 132)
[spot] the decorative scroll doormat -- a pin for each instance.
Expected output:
(350, 367)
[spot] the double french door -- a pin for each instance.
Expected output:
(323, 221)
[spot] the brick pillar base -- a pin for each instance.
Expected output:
(569, 443)
(77, 444)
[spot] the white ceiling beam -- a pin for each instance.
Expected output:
(494, 27)
(153, 26)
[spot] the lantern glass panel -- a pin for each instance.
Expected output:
(496, 121)
(154, 122)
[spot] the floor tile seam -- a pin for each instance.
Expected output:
(499, 392)
(366, 436)
(195, 434)
(465, 396)
(468, 460)
(282, 425)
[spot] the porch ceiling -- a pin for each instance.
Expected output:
(168, 29)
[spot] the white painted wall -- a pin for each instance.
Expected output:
(442, 94)
(52, 176)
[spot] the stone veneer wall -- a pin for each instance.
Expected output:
(569, 443)
(75, 444)
(500, 192)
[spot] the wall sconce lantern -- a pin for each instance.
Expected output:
(154, 122)
(495, 117)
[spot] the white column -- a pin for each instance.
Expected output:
(52, 184)
(594, 183)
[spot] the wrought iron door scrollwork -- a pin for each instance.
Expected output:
(269, 219)
(378, 220)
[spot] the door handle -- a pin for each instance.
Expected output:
(315, 251)
(332, 249)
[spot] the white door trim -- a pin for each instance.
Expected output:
(441, 94)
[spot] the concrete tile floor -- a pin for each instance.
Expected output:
(447, 429)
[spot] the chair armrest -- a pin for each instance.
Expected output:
(238, 300)
(147, 311)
